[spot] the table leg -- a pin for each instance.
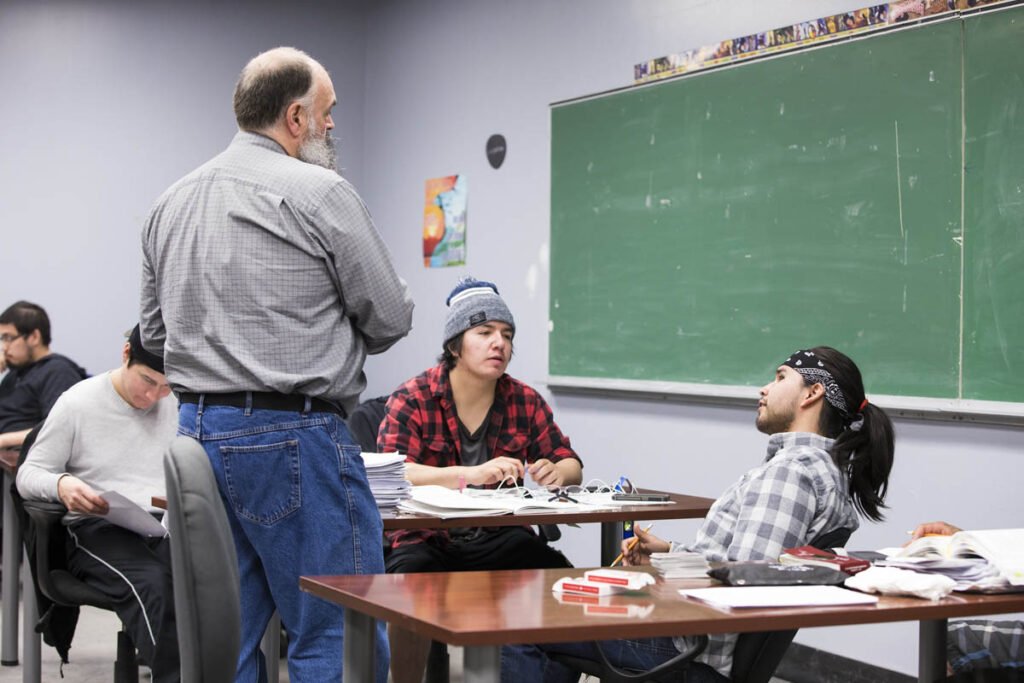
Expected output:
(611, 542)
(271, 647)
(31, 652)
(360, 647)
(9, 588)
(482, 664)
(931, 663)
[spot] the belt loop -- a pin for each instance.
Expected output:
(248, 403)
(307, 406)
(199, 417)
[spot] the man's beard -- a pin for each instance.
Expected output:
(318, 149)
(774, 422)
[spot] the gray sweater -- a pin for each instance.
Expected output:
(97, 436)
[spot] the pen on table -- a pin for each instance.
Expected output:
(631, 544)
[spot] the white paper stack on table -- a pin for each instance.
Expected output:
(386, 474)
(990, 560)
(450, 504)
(680, 565)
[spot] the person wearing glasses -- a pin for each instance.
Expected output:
(37, 376)
(465, 422)
(829, 455)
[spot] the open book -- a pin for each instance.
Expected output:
(1001, 548)
(448, 503)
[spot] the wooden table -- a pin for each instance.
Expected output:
(481, 611)
(681, 507)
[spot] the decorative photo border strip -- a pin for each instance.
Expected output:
(800, 35)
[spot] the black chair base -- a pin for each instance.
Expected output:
(126, 666)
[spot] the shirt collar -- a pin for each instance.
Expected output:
(781, 440)
(244, 137)
(440, 385)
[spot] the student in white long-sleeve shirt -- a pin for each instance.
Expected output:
(109, 433)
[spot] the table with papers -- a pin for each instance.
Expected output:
(518, 606)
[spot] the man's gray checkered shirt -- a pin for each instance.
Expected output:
(264, 273)
(797, 494)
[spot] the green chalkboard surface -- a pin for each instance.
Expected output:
(704, 228)
(994, 208)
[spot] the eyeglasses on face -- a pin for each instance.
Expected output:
(6, 339)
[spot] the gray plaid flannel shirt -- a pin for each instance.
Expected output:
(795, 495)
(974, 644)
(264, 273)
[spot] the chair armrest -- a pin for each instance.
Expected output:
(44, 513)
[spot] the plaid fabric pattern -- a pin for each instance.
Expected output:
(973, 644)
(795, 495)
(264, 273)
(422, 423)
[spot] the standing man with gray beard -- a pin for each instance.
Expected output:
(265, 284)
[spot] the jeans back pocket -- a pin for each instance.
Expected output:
(263, 481)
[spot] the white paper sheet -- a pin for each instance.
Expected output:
(129, 515)
(777, 596)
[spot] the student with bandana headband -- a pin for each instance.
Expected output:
(829, 456)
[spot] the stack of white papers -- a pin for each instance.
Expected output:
(386, 474)
(449, 504)
(987, 560)
(777, 596)
(680, 565)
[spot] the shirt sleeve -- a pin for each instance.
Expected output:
(48, 458)
(374, 297)
(547, 440)
(151, 322)
(777, 507)
(400, 430)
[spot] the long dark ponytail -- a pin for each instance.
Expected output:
(863, 434)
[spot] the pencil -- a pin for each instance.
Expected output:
(631, 544)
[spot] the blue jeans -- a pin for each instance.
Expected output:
(531, 664)
(298, 502)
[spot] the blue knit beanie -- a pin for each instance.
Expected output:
(474, 302)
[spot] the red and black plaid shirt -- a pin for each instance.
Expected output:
(421, 422)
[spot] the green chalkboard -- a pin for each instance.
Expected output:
(994, 208)
(704, 228)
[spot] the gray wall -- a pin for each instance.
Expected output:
(107, 103)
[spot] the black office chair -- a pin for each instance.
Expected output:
(364, 422)
(207, 603)
(59, 593)
(754, 659)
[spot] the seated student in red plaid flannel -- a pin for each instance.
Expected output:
(466, 422)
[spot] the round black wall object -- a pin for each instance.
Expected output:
(496, 149)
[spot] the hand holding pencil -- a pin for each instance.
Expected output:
(637, 550)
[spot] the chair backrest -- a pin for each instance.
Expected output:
(364, 422)
(757, 655)
(204, 566)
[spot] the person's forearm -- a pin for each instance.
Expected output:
(13, 439)
(422, 475)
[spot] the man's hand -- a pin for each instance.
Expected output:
(934, 529)
(545, 473)
(635, 554)
(79, 496)
(494, 471)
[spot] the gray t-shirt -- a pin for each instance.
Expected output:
(97, 436)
